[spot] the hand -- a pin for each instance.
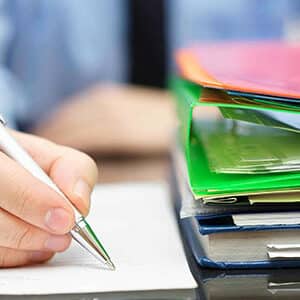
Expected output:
(119, 119)
(34, 219)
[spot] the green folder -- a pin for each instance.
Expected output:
(204, 183)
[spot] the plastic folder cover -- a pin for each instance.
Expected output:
(271, 68)
(218, 225)
(204, 261)
(202, 181)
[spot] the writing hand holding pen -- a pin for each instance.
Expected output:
(34, 219)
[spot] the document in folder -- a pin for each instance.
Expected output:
(138, 225)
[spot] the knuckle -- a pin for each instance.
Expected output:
(22, 197)
(22, 238)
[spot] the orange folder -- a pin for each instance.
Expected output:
(264, 68)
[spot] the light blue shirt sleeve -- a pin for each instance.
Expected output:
(11, 94)
(60, 47)
(51, 49)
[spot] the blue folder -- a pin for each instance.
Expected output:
(219, 225)
(191, 236)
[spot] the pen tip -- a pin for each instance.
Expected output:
(86, 237)
(111, 265)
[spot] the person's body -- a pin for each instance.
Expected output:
(49, 51)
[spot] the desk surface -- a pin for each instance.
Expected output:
(132, 169)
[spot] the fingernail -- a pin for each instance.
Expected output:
(58, 220)
(38, 256)
(82, 190)
(56, 243)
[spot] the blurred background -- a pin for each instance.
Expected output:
(92, 74)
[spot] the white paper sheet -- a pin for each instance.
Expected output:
(283, 251)
(282, 218)
(137, 225)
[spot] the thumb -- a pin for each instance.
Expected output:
(75, 174)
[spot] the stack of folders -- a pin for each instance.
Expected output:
(237, 157)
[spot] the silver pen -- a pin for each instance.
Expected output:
(81, 232)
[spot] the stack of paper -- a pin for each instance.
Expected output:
(237, 160)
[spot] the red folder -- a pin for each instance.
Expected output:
(265, 68)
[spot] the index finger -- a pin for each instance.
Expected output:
(74, 172)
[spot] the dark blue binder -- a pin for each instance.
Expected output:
(198, 252)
